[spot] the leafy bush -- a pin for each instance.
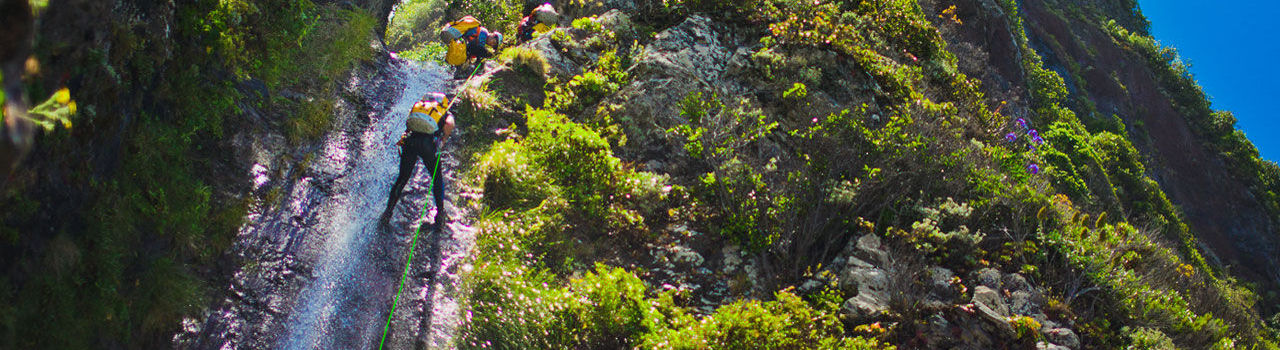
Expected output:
(785, 323)
(1026, 327)
(425, 52)
(747, 207)
(608, 307)
(586, 90)
(1144, 338)
(577, 158)
(496, 15)
(574, 162)
(512, 178)
(526, 60)
(943, 233)
(514, 308)
(414, 23)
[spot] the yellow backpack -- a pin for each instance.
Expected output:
(456, 54)
(455, 30)
(452, 35)
(425, 115)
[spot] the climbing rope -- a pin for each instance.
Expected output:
(413, 243)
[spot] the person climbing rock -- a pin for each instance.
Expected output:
(540, 20)
(530, 5)
(429, 125)
(465, 39)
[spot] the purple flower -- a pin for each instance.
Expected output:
(1031, 148)
(1022, 123)
(1037, 140)
(1033, 133)
(1033, 169)
(1011, 136)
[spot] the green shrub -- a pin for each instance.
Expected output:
(1026, 327)
(715, 133)
(312, 120)
(943, 233)
(414, 23)
(578, 158)
(515, 308)
(497, 15)
(526, 60)
(511, 307)
(785, 323)
(512, 179)
(747, 208)
(584, 91)
(563, 159)
(425, 52)
(1144, 338)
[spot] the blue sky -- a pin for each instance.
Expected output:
(1234, 51)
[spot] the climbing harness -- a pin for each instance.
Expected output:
(413, 243)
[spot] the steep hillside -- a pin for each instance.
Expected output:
(1208, 170)
(863, 174)
(922, 174)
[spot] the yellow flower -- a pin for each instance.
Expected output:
(63, 96)
(66, 123)
(72, 105)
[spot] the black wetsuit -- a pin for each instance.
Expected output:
(419, 146)
(524, 32)
(477, 48)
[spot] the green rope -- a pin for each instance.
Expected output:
(413, 243)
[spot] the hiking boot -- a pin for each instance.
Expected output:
(441, 220)
(384, 221)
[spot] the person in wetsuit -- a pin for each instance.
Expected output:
(429, 125)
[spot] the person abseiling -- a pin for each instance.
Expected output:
(429, 125)
(540, 20)
(466, 39)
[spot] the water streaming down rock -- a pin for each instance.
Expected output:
(321, 274)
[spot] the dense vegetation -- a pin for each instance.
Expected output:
(124, 243)
(1061, 198)
(113, 248)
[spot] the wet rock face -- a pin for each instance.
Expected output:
(313, 272)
